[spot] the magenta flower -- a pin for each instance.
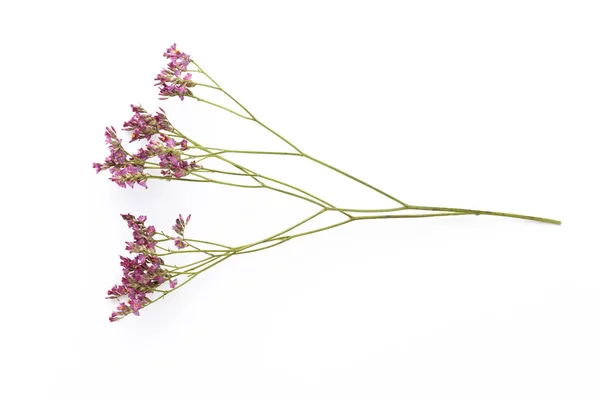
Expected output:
(179, 60)
(144, 125)
(129, 176)
(173, 283)
(169, 157)
(170, 82)
(128, 170)
(117, 157)
(180, 224)
(142, 274)
(179, 243)
(114, 317)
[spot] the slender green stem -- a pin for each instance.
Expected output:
(207, 242)
(279, 136)
(170, 178)
(216, 171)
(255, 176)
(175, 267)
(231, 151)
(220, 106)
(223, 182)
(481, 212)
(403, 204)
(192, 266)
(448, 214)
(330, 206)
(372, 210)
(293, 195)
(189, 279)
(207, 252)
(300, 152)
(227, 94)
(191, 269)
(355, 179)
(275, 153)
(275, 236)
(280, 241)
(167, 238)
(317, 230)
(207, 86)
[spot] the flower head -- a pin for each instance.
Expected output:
(117, 157)
(129, 176)
(126, 170)
(142, 274)
(169, 155)
(179, 243)
(180, 224)
(144, 125)
(170, 80)
(129, 169)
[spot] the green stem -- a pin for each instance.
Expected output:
(219, 106)
(216, 171)
(207, 86)
(279, 136)
(275, 236)
(459, 211)
(280, 241)
(210, 180)
(275, 153)
(300, 152)
(255, 176)
(330, 206)
(189, 279)
(207, 242)
(481, 212)
(355, 179)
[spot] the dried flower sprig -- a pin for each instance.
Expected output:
(184, 159)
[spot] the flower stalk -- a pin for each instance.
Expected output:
(169, 154)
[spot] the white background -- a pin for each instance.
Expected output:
(489, 105)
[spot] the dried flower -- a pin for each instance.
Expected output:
(127, 170)
(144, 125)
(142, 274)
(170, 82)
(144, 270)
(180, 224)
(179, 243)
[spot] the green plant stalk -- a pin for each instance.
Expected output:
(299, 153)
(217, 253)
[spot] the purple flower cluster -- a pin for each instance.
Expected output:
(179, 228)
(170, 81)
(127, 170)
(144, 125)
(130, 175)
(180, 224)
(142, 273)
(169, 155)
(117, 157)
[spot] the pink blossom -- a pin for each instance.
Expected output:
(170, 82)
(142, 274)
